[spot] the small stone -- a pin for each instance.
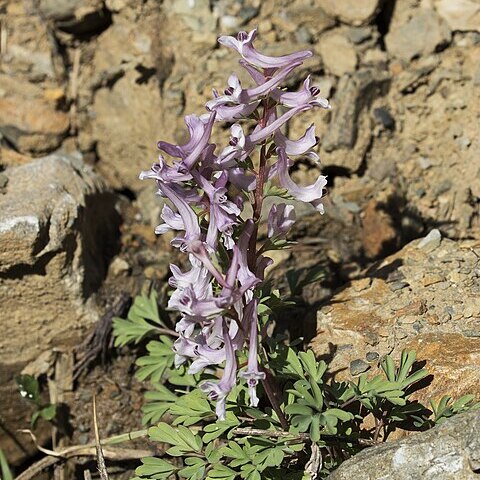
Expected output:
(424, 163)
(432, 279)
(383, 117)
(418, 326)
(398, 285)
(3, 181)
(372, 356)
(83, 438)
(119, 267)
(362, 284)
(431, 241)
(358, 35)
(358, 366)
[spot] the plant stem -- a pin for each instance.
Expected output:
(268, 383)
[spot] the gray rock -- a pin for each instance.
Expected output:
(354, 94)
(450, 451)
(431, 241)
(425, 33)
(358, 366)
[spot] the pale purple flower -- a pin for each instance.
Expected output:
(307, 94)
(173, 221)
(199, 136)
(252, 374)
(218, 391)
(297, 147)
(280, 219)
(243, 44)
(310, 194)
(190, 221)
(237, 95)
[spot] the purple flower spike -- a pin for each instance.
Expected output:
(280, 219)
(252, 374)
(218, 392)
(207, 188)
(243, 44)
(311, 194)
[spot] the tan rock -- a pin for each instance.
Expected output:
(338, 53)
(463, 15)
(32, 125)
(57, 224)
(353, 12)
(401, 310)
(379, 233)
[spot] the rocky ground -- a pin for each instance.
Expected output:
(87, 87)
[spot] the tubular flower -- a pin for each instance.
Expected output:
(214, 201)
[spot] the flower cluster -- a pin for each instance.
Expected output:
(208, 188)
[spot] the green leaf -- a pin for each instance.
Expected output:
(340, 414)
(160, 357)
(136, 327)
(217, 429)
(191, 408)
(195, 468)
(155, 468)
(388, 366)
(29, 387)
(315, 428)
(407, 360)
(48, 412)
(223, 472)
(157, 404)
(183, 441)
(4, 467)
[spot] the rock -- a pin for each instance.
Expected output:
(379, 233)
(125, 148)
(384, 118)
(425, 33)
(30, 52)
(32, 125)
(358, 366)
(352, 12)
(58, 227)
(431, 241)
(132, 76)
(450, 451)
(463, 15)
(312, 18)
(428, 312)
(350, 131)
(76, 16)
(338, 53)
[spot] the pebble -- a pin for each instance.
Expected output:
(398, 285)
(358, 366)
(383, 117)
(431, 241)
(372, 356)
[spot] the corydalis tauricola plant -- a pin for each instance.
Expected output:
(208, 186)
